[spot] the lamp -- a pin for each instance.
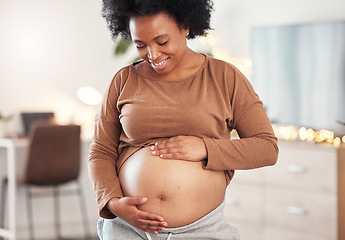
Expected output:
(89, 96)
(85, 115)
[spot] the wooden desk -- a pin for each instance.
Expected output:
(11, 146)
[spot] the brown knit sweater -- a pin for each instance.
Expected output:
(209, 104)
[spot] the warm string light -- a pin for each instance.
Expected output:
(291, 133)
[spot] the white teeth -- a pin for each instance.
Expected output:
(159, 64)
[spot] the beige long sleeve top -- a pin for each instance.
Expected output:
(209, 104)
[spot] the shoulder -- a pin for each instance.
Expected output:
(124, 74)
(223, 72)
(221, 66)
(229, 75)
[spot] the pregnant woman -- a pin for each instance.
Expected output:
(162, 155)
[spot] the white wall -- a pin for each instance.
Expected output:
(48, 49)
(51, 48)
(233, 19)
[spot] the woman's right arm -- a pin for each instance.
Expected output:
(102, 167)
(104, 152)
(126, 209)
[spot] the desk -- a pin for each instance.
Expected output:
(11, 145)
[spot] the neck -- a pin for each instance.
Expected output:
(189, 64)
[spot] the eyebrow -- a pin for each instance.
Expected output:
(163, 35)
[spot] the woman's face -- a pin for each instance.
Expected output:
(159, 41)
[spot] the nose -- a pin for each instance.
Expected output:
(153, 53)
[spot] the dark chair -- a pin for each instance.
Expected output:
(53, 159)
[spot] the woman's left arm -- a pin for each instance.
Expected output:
(257, 146)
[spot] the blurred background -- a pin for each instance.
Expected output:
(50, 49)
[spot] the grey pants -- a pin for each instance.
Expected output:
(211, 226)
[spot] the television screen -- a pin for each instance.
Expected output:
(299, 73)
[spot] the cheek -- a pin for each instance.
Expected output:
(171, 50)
(177, 47)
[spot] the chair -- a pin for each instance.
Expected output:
(53, 159)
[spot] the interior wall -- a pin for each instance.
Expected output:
(49, 49)
(233, 19)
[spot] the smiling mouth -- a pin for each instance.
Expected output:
(159, 65)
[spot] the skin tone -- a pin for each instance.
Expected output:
(161, 42)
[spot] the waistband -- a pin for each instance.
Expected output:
(209, 219)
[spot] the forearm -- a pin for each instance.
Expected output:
(246, 153)
(105, 183)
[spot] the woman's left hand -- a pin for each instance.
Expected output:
(188, 148)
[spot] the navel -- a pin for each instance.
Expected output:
(161, 197)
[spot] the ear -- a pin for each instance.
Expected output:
(186, 29)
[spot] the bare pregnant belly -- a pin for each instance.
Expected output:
(179, 191)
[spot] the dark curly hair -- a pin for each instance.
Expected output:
(194, 14)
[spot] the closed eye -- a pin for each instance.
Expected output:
(163, 43)
(140, 47)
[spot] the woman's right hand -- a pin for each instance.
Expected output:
(126, 209)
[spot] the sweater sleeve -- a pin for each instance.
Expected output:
(104, 151)
(257, 146)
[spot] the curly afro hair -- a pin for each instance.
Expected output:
(194, 14)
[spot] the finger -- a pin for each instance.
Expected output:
(153, 224)
(157, 146)
(150, 216)
(164, 149)
(167, 154)
(173, 156)
(148, 228)
(172, 151)
(170, 146)
(166, 143)
(161, 145)
(134, 201)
